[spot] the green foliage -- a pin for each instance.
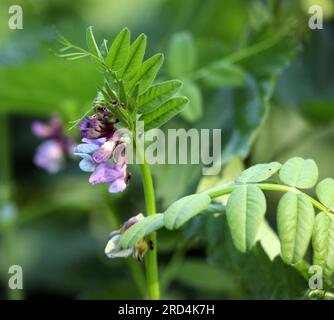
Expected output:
(245, 211)
(157, 94)
(295, 218)
(141, 229)
(235, 43)
(299, 173)
(163, 113)
(182, 54)
(323, 243)
(246, 207)
(128, 80)
(119, 50)
(259, 172)
(184, 209)
(325, 192)
(134, 60)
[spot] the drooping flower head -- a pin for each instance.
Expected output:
(113, 248)
(100, 143)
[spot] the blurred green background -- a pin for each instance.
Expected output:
(252, 68)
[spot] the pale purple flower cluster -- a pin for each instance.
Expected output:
(97, 150)
(51, 153)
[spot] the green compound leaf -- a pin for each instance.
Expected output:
(135, 58)
(141, 229)
(323, 243)
(300, 173)
(259, 172)
(163, 113)
(295, 219)
(119, 50)
(91, 43)
(245, 212)
(325, 192)
(184, 209)
(147, 73)
(158, 94)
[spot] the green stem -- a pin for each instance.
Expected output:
(151, 258)
(226, 189)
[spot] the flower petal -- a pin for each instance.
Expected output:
(87, 165)
(113, 248)
(98, 142)
(85, 148)
(41, 130)
(49, 156)
(118, 185)
(105, 152)
(105, 172)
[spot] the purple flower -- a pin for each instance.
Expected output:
(110, 173)
(101, 144)
(53, 129)
(90, 128)
(104, 153)
(51, 153)
(98, 125)
(49, 156)
(86, 151)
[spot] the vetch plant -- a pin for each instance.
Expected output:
(127, 95)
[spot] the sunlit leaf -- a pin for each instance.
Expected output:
(147, 73)
(325, 192)
(158, 94)
(323, 243)
(118, 52)
(163, 113)
(295, 219)
(184, 209)
(299, 173)
(259, 172)
(245, 212)
(135, 58)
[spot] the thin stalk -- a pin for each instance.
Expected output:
(228, 188)
(151, 258)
